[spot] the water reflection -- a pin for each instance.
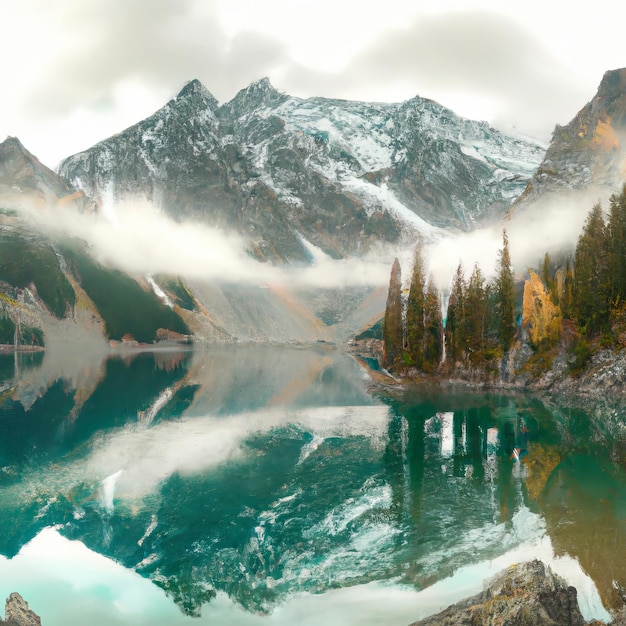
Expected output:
(264, 472)
(562, 464)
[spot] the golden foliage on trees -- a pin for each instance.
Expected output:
(540, 315)
(540, 461)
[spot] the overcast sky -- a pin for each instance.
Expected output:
(76, 72)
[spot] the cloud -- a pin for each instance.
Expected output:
(552, 225)
(139, 239)
(118, 41)
(106, 64)
(159, 45)
(458, 57)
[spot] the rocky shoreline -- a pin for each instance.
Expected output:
(602, 380)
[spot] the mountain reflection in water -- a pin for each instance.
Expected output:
(258, 474)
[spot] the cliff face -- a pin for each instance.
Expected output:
(589, 153)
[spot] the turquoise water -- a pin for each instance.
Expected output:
(271, 485)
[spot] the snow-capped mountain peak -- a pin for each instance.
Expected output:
(344, 175)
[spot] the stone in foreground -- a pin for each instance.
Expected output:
(526, 594)
(17, 612)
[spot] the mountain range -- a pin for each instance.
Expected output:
(284, 171)
(298, 180)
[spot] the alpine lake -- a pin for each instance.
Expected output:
(265, 485)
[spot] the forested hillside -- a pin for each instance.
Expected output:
(576, 300)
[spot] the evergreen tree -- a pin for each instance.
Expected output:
(592, 285)
(616, 248)
(433, 328)
(475, 315)
(415, 313)
(392, 323)
(545, 270)
(549, 271)
(455, 317)
(505, 296)
(566, 299)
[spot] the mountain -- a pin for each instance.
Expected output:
(287, 172)
(23, 176)
(588, 154)
(53, 290)
(49, 285)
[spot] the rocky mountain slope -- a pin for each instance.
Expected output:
(49, 284)
(53, 289)
(23, 178)
(587, 157)
(284, 171)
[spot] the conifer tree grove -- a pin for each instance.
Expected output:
(548, 276)
(433, 328)
(475, 315)
(588, 289)
(392, 323)
(566, 299)
(415, 313)
(616, 248)
(455, 317)
(591, 288)
(505, 296)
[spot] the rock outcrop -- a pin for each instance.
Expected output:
(586, 155)
(526, 594)
(17, 612)
(23, 178)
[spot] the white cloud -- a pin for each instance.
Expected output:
(519, 65)
(139, 239)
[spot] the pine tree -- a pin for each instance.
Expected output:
(455, 318)
(392, 323)
(545, 270)
(433, 328)
(476, 315)
(415, 313)
(505, 296)
(592, 285)
(616, 248)
(548, 274)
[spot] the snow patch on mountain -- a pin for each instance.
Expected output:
(360, 129)
(344, 175)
